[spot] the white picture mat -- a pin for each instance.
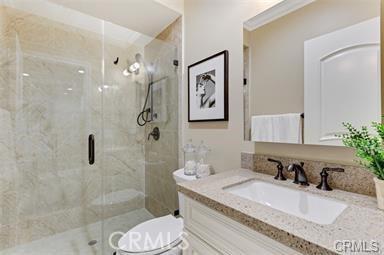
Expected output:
(217, 112)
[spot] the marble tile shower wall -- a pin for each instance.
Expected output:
(162, 156)
(46, 184)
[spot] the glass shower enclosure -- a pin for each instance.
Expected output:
(62, 79)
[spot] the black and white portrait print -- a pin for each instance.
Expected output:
(206, 90)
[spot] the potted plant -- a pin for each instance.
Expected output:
(370, 150)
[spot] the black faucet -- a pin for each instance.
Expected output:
(300, 176)
(279, 176)
(324, 177)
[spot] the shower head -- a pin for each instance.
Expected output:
(150, 68)
(139, 58)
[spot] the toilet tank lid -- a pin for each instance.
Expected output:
(180, 176)
(152, 235)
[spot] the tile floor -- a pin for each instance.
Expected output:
(75, 241)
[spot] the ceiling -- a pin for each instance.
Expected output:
(148, 17)
(176, 5)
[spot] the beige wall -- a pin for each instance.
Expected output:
(278, 48)
(212, 26)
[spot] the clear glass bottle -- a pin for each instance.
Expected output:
(189, 159)
(202, 168)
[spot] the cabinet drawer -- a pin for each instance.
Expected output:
(227, 235)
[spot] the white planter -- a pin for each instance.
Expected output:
(379, 192)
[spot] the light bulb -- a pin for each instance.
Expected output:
(134, 67)
(126, 72)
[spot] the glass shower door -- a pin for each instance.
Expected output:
(123, 139)
(50, 101)
(62, 78)
(138, 182)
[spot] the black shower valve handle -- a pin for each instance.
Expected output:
(155, 134)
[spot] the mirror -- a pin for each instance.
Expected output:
(309, 66)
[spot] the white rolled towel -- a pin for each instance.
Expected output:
(203, 170)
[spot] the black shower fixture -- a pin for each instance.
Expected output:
(116, 61)
(155, 134)
(145, 115)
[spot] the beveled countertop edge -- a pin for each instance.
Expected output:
(272, 232)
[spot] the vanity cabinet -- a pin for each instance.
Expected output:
(209, 233)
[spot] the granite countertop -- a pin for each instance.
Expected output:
(361, 220)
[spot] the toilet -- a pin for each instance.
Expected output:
(161, 235)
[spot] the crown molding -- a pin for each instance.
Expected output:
(275, 12)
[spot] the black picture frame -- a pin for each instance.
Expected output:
(225, 87)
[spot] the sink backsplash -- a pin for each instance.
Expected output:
(355, 178)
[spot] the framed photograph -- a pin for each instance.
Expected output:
(208, 89)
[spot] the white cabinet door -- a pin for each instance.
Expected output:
(197, 247)
(342, 81)
(225, 235)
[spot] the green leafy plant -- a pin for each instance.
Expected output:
(369, 147)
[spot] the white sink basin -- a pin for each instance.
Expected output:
(301, 204)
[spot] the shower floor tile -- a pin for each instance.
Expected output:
(75, 241)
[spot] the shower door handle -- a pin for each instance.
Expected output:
(91, 149)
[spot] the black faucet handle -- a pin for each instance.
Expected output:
(275, 161)
(324, 177)
(279, 176)
(333, 169)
